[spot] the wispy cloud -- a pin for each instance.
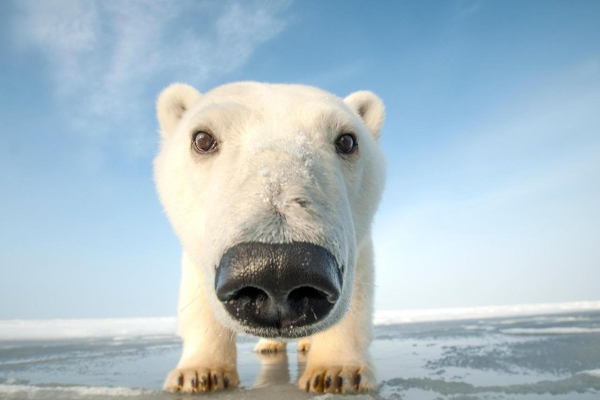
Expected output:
(108, 58)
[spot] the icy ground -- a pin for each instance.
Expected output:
(516, 356)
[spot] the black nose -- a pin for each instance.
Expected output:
(273, 288)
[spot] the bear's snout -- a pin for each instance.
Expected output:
(278, 290)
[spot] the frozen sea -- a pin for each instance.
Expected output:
(548, 351)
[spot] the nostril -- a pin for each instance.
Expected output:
(250, 293)
(309, 293)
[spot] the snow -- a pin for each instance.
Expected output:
(592, 372)
(85, 328)
(28, 390)
(550, 331)
(466, 313)
(132, 327)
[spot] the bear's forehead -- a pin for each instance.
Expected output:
(257, 94)
(241, 106)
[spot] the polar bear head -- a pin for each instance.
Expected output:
(271, 189)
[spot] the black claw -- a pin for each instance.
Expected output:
(226, 382)
(327, 382)
(340, 382)
(307, 386)
(194, 382)
(357, 380)
(215, 379)
(180, 380)
(316, 382)
(203, 380)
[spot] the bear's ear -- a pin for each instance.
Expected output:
(172, 103)
(369, 107)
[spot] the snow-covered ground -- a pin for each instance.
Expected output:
(127, 327)
(547, 351)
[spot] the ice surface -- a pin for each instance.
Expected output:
(478, 358)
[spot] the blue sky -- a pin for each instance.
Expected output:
(492, 140)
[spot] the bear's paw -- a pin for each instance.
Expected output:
(200, 379)
(265, 346)
(337, 379)
(303, 345)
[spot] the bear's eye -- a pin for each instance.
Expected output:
(204, 142)
(346, 143)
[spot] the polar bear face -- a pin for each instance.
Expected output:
(289, 173)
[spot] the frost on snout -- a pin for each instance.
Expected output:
(278, 290)
(287, 162)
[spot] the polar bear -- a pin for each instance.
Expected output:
(272, 190)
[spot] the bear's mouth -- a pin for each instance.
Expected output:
(286, 333)
(278, 290)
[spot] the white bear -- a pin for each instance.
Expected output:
(272, 190)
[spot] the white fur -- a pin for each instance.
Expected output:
(276, 177)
